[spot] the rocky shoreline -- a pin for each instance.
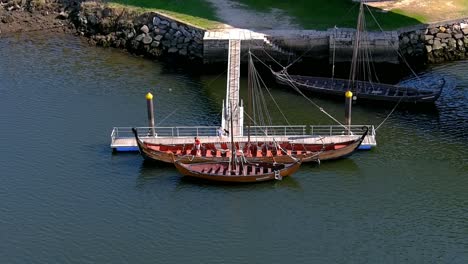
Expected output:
(149, 34)
(436, 43)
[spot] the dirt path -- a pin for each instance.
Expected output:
(237, 15)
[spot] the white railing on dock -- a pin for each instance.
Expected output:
(204, 131)
(276, 130)
(123, 138)
(339, 130)
(182, 131)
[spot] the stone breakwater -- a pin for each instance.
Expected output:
(436, 43)
(149, 34)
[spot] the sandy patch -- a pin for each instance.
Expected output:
(237, 15)
(432, 10)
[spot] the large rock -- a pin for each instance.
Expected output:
(458, 36)
(158, 37)
(147, 40)
(92, 19)
(172, 50)
(185, 32)
(107, 12)
(156, 20)
(144, 29)
(405, 40)
(174, 26)
(437, 45)
(428, 37)
(465, 31)
(452, 44)
(409, 51)
(183, 52)
(130, 35)
(166, 43)
(140, 37)
(433, 31)
(443, 35)
(428, 48)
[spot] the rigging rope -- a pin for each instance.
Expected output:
(289, 79)
(396, 50)
(254, 70)
(391, 112)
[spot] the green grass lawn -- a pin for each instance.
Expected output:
(311, 14)
(196, 12)
(323, 14)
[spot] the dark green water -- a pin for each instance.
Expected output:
(65, 198)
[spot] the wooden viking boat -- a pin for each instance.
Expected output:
(283, 152)
(242, 172)
(366, 90)
(417, 90)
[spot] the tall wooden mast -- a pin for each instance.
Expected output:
(357, 44)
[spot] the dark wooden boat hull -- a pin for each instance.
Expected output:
(309, 153)
(194, 170)
(364, 90)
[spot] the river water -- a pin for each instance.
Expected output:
(65, 198)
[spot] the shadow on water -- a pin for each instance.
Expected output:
(153, 172)
(286, 182)
(339, 165)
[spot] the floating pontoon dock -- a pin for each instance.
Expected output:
(124, 140)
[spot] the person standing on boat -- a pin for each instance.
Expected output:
(220, 132)
(197, 146)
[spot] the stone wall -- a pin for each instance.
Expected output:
(150, 34)
(383, 45)
(436, 43)
(286, 45)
